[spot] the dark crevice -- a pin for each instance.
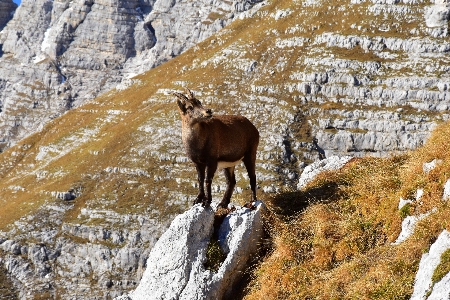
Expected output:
(152, 30)
(299, 130)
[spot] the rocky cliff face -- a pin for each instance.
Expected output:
(105, 179)
(58, 54)
(7, 9)
(79, 261)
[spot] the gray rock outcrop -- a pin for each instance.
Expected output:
(58, 54)
(42, 253)
(314, 169)
(438, 15)
(7, 8)
(175, 267)
(423, 285)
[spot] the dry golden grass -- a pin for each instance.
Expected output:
(338, 245)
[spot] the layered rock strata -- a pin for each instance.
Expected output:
(7, 8)
(48, 257)
(58, 54)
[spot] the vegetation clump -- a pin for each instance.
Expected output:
(214, 253)
(443, 268)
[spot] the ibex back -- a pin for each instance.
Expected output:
(212, 142)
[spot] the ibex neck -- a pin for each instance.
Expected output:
(191, 130)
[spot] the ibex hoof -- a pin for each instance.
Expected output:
(198, 200)
(250, 205)
(206, 203)
(222, 205)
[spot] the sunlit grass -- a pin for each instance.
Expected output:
(339, 246)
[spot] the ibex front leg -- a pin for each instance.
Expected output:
(201, 183)
(210, 170)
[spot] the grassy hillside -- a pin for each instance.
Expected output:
(340, 245)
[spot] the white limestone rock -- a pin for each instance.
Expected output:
(239, 235)
(428, 263)
(403, 202)
(427, 167)
(311, 171)
(176, 253)
(441, 289)
(175, 267)
(438, 14)
(446, 194)
(408, 226)
(419, 194)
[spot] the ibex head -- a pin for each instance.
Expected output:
(191, 106)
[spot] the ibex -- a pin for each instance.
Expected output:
(219, 141)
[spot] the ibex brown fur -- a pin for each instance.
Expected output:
(212, 142)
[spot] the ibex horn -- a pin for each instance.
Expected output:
(181, 96)
(190, 94)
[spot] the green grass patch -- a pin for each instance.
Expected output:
(443, 268)
(214, 255)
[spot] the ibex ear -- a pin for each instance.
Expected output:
(181, 106)
(189, 93)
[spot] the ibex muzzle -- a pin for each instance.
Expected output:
(217, 141)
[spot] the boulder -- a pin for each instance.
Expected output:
(423, 285)
(311, 171)
(438, 15)
(175, 267)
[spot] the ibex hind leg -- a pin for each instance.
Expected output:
(231, 183)
(249, 162)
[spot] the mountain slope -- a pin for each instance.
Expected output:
(351, 242)
(58, 54)
(83, 200)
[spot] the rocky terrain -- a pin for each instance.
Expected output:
(7, 9)
(176, 265)
(58, 54)
(84, 199)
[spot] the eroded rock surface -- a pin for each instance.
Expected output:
(175, 267)
(46, 256)
(7, 8)
(423, 286)
(314, 169)
(58, 54)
